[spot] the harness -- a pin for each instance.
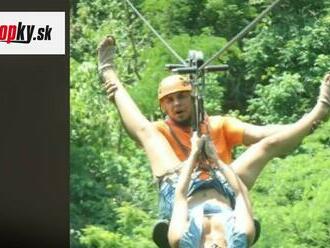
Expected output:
(183, 148)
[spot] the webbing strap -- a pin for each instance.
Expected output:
(184, 149)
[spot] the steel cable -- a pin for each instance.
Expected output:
(240, 34)
(156, 33)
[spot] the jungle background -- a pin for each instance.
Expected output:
(274, 75)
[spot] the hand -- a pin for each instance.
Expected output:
(106, 54)
(111, 89)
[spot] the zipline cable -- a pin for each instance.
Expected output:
(156, 33)
(240, 34)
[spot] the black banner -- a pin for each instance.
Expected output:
(34, 142)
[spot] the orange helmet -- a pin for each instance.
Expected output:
(172, 84)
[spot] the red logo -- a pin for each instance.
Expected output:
(23, 33)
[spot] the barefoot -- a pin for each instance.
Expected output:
(321, 109)
(106, 54)
(324, 96)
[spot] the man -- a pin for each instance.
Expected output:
(176, 102)
(174, 133)
(174, 95)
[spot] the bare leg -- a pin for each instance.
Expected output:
(158, 150)
(249, 165)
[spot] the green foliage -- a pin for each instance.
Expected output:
(228, 17)
(101, 163)
(291, 198)
(300, 49)
(274, 75)
(280, 101)
(221, 17)
(129, 234)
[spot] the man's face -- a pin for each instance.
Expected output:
(178, 106)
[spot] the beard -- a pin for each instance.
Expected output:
(183, 123)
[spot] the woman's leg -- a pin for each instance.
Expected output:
(161, 155)
(249, 165)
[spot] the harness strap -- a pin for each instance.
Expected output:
(184, 149)
(167, 176)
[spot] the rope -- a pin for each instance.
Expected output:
(240, 34)
(156, 33)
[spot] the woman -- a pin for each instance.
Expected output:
(216, 212)
(213, 212)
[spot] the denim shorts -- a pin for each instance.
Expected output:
(168, 185)
(166, 196)
(217, 181)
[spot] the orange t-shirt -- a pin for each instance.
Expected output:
(225, 132)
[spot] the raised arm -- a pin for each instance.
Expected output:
(179, 219)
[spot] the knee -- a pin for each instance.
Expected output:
(270, 144)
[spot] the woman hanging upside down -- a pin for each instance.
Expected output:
(217, 212)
